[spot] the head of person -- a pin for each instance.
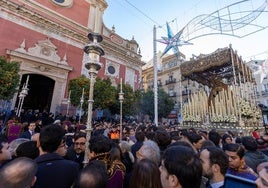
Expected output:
(214, 161)
(215, 137)
(62, 149)
(145, 174)
(13, 145)
(31, 126)
(27, 149)
(235, 153)
(79, 142)
(162, 138)
(262, 180)
(195, 139)
(140, 136)
(149, 150)
(20, 172)
(226, 139)
(5, 153)
(51, 137)
(99, 145)
(249, 143)
(180, 167)
(94, 175)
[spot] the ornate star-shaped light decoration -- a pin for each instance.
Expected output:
(173, 42)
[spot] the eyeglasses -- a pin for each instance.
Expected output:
(63, 145)
(79, 143)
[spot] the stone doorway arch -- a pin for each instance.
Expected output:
(40, 92)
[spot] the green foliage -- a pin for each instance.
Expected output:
(129, 102)
(76, 86)
(9, 78)
(104, 93)
(165, 103)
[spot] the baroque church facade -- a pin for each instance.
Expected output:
(47, 38)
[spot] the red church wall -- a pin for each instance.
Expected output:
(13, 35)
(78, 12)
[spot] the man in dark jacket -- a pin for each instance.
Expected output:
(253, 157)
(76, 152)
(53, 170)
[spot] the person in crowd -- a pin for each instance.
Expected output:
(27, 149)
(180, 168)
(206, 143)
(149, 150)
(215, 137)
(128, 160)
(28, 133)
(100, 147)
(52, 166)
(20, 172)
(162, 138)
(215, 164)
(13, 145)
(114, 134)
(262, 180)
(261, 166)
(5, 154)
(140, 137)
(256, 134)
(196, 140)
(94, 175)
(226, 139)
(145, 175)
(253, 157)
(62, 149)
(77, 151)
(132, 136)
(237, 165)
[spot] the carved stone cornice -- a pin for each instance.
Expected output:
(24, 12)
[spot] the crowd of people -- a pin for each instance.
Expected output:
(142, 156)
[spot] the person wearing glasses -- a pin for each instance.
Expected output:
(76, 152)
(51, 165)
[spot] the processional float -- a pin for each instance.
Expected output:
(228, 98)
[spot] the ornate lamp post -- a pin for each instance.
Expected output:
(121, 99)
(81, 105)
(93, 52)
(68, 103)
(22, 95)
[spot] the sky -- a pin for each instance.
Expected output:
(136, 18)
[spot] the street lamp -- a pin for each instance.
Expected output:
(121, 99)
(93, 52)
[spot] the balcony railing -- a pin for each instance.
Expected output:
(170, 81)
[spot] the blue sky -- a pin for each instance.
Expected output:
(137, 18)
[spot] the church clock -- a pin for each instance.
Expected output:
(64, 3)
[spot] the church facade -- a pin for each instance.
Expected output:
(47, 38)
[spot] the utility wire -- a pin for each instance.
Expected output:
(155, 22)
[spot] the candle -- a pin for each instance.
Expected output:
(27, 80)
(70, 94)
(121, 85)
